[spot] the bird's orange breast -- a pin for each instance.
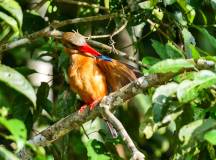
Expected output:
(86, 78)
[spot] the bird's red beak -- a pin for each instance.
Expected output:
(89, 49)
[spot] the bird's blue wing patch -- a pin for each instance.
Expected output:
(105, 58)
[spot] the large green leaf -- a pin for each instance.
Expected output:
(160, 49)
(166, 51)
(189, 90)
(146, 5)
(209, 38)
(168, 2)
(171, 65)
(14, 9)
(173, 51)
(150, 60)
(188, 40)
(7, 155)
(10, 21)
(17, 130)
(180, 18)
(17, 81)
(97, 150)
(196, 130)
(210, 136)
(195, 53)
(213, 4)
(159, 99)
(188, 9)
(165, 90)
(5, 30)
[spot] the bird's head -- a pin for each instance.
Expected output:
(76, 41)
(73, 40)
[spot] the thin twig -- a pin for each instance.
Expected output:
(125, 22)
(110, 49)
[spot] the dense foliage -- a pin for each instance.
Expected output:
(175, 121)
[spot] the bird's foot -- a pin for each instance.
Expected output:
(82, 108)
(93, 104)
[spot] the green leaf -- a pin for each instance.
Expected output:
(148, 4)
(171, 65)
(158, 13)
(159, 99)
(6, 155)
(171, 117)
(195, 130)
(160, 49)
(210, 136)
(205, 20)
(173, 51)
(188, 40)
(10, 21)
(168, 2)
(25, 71)
(213, 4)
(194, 51)
(188, 9)
(5, 31)
(166, 51)
(165, 90)
(186, 75)
(150, 60)
(189, 90)
(42, 99)
(180, 18)
(96, 150)
(14, 9)
(17, 130)
(208, 37)
(17, 81)
(212, 58)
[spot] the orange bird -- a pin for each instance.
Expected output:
(93, 74)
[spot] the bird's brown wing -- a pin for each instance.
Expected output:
(117, 74)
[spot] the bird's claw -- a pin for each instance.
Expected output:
(82, 108)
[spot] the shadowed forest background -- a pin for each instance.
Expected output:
(175, 120)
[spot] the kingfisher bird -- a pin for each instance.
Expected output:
(91, 74)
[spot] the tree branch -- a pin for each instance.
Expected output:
(74, 120)
(108, 103)
(47, 31)
(136, 154)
